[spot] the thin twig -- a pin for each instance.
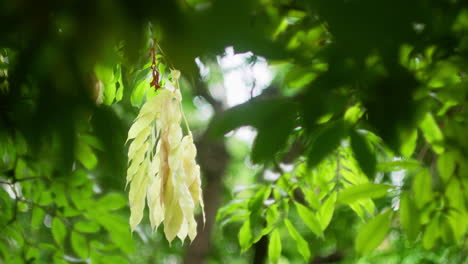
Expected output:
(252, 89)
(423, 152)
(202, 90)
(278, 167)
(45, 208)
(29, 178)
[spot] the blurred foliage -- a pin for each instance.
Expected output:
(364, 128)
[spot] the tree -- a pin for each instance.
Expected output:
(368, 105)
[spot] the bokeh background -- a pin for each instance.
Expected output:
(291, 103)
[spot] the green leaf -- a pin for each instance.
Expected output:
(238, 216)
(32, 254)
(118, 81)
(162, 68)
(326, 141)
(309, 218)
(4, 250)
(454, 195)
(446, 165)
(363, 191)
(58, 258)
(432, 133)
(353, 114)
(138, 92)
(431, 234)
(45, 199)
(363, 153)
(422, 188)
(20, 169)
(112, 201)
(274, 247)
(87, 227)
(60, 197)
(373, 233)
(409, 216)
(86, 156)
(230, 208)
(109, 92)
(311, 198)
(97, 246)
(302, 245)
(256, 207)
(47, 246)
(93, 141)
(77, 199)
(59, 231)
(368, 205)
(98, 258)
(79, 245)
(272, 217)
(325, 212)
(445, 230)
(79, 178)
(298, 76)
(106, 75)
(456, 219)
(245, 236)
(15, 232)
(459, 224)
(119, 93)
(427, 212)
(117, 226)
(37, 217)
(409, 143)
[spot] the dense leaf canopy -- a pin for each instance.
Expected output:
(360, 152)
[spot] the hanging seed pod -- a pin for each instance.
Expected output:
(162, 166)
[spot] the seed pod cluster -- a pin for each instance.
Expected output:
(162, 166)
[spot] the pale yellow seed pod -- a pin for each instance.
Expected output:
(162, 166)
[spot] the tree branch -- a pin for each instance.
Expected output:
(201, 89)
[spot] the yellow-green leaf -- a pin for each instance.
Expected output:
(274, 247)
(409, 143)
(371, 235)
(446, 165)
(112, 201)
(363, 191)
(409, 216)
(432, 133)
(58, 231)
(325, 212)
(86, 156)
(422, 188)
(309, 218)
(79, 245)
(245, 236)
(431, 234)
(302, 245)
(87, 227)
